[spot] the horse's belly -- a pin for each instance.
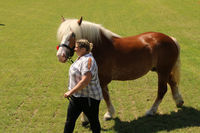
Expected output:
(127, 74)
(130, 72)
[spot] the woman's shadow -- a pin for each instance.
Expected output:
(185, 117)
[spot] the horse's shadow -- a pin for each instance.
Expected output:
(185, 117)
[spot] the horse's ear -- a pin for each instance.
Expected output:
(62, 19)
(80, 21)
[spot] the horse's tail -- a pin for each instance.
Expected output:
(176, 69)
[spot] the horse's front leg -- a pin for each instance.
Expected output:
(109, 114)
(111, 111)
(84, 119)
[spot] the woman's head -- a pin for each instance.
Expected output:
(83, 47)
(83, 43)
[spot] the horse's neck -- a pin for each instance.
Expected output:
(103, 49)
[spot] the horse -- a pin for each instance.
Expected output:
(125, 58)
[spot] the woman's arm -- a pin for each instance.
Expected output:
(81, 84)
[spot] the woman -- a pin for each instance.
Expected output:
(84, 88)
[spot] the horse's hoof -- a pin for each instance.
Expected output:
(84, 120)
(107, 116)
(85, 123)
(180, 104)
(150, 113)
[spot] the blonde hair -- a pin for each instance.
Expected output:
(83, 43)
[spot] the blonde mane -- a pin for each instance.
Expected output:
(87, 30)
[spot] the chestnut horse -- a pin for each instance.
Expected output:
(125, 58)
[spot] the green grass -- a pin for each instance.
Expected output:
(32, 81)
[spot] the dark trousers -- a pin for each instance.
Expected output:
(87, 105)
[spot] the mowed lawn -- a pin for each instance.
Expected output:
(32, 81)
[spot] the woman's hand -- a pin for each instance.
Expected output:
(67, 94)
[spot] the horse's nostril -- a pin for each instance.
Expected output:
(63, 55)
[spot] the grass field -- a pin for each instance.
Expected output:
(32, 81)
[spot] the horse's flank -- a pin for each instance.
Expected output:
(136, 55)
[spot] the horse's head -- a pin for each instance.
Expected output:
(66, 47)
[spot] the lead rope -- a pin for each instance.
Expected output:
(70, 60)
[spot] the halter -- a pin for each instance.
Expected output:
(70, 54)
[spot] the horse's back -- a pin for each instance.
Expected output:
(148, 44)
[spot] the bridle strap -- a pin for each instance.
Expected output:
(69, 56)
(65, 45)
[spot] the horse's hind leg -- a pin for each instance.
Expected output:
(174, 79)
(175, 91)
(162, 89)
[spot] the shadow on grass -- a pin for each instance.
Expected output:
(185, 117)
(2, 25)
